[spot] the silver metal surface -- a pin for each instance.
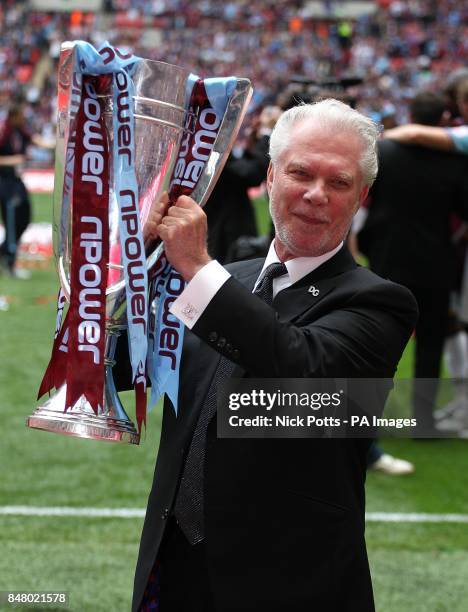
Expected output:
(161, 119)
(223, 144)
(111, 423)
(160, 116)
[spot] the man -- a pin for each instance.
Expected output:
(279, 523)
(453, 416)
(437, 137)
(407, 239)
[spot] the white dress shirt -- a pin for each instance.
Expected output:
(198, 293)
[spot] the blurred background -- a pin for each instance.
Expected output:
(71, 510)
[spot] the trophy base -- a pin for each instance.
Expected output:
(84, 426)
(111, 423)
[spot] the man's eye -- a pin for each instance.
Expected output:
(340, 183)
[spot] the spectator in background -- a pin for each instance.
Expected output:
(454, 138)
(407, 238)
(454, 80)
(229, 210)
(14, 199)
(455, 414)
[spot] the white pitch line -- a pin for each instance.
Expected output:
(70, 511)
(414, 517)
(371, 517)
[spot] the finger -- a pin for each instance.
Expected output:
(157, 212)
(186, 202)
(176, 211)
(183, 213)
(163, 204)
(166, 233)
(171, 221)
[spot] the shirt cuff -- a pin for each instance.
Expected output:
(459, 136)
(199, 292)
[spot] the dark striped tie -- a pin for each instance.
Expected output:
(188, 508)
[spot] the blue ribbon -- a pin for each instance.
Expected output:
(109, 60)
(163, 366)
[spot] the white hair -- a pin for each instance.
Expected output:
(336, 116)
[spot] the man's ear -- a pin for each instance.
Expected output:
(270, 174)
(363, 195)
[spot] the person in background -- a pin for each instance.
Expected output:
(229, 211)
(450, 138)
(14, 199)
(407, 238)
(453, 416)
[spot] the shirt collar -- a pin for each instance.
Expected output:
(299, 266)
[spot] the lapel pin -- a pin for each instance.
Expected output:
(313, 290)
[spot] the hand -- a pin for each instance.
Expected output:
(184, 230)
(157, 212)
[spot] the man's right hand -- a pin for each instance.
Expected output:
(184, 231)
(157, 212)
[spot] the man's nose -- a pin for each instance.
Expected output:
(316, 192)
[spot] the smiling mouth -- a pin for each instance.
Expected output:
(310, 220)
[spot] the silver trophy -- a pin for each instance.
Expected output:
(161, 120)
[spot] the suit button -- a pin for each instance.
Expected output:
(221, 343)
(235, 354)
(212, 336)
(165, 514)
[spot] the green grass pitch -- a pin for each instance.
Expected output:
(415, 567)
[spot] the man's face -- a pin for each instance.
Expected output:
(315, 187)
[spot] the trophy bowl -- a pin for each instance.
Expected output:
(162, 118)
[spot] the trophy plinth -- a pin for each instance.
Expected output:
(81, 425)
(111, 423)
(155, 134)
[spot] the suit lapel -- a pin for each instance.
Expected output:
(305, 294)
(310, 290)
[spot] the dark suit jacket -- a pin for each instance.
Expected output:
(284, 518)
(229, 210)
(407, 235)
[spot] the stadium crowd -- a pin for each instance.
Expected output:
(397, 49)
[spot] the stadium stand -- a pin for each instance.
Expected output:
(396, 47)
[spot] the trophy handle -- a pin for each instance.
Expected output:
(230, 125)
(227, 134)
